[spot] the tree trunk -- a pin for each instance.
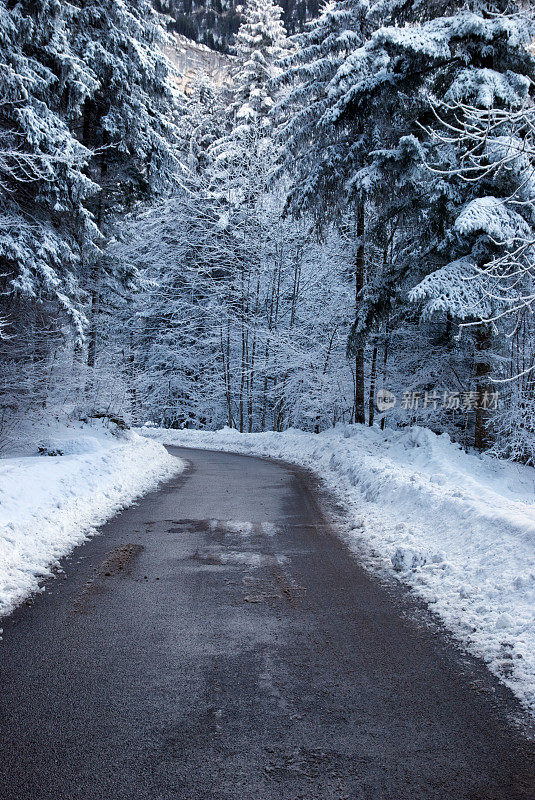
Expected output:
(242, 377)
(132, 375)
(373, 381)
(360, 412)
(482, 439)
(385, 364)
(96, 278)
(95, 307)
(250, 403)
(225, 358)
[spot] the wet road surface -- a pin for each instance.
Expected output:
(218, 642)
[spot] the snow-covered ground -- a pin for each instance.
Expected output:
(50, 503)
(458, 528)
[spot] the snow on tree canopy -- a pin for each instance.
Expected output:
(392, 55)
(43, 188)
(456, 289)
(260, 44)
(492, 216)
(487, 88)
(424, 41)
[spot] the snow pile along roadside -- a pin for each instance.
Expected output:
(458, 528)
(51, 503)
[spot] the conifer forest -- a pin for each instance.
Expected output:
(340, 211)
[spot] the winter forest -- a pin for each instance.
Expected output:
(345, 211)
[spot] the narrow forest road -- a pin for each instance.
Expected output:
(218, 642)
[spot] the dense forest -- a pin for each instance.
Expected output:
(216, 22)
(342, 230)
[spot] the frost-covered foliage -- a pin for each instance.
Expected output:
(351, 211)
(216, 22)
(438, 228)
(260, 45)
(315, 154)
(86, 130)
(242, 159)
(128, 116)
(43, 187)
(236, 325)
(240, 319)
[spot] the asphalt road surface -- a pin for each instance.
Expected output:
(219, 642)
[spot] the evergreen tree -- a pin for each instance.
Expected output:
(128, 120)
(216, 22)
(260, 45)
(44, 191)
(320, 157)
(86, 130)
(246, 153)
(377, 109)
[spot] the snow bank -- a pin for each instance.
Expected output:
(458, 528)
(49, 504)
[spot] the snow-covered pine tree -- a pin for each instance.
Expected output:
(487, 216)
(260, 44)
(216, 22)
(130, 115)
(129, 120)
(242, 163)
(43, 185)
(47, 230)
(488, 119)
(388, 85)
(318, 156)
(87, 129)
(246, 154)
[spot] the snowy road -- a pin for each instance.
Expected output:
(218, 642)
